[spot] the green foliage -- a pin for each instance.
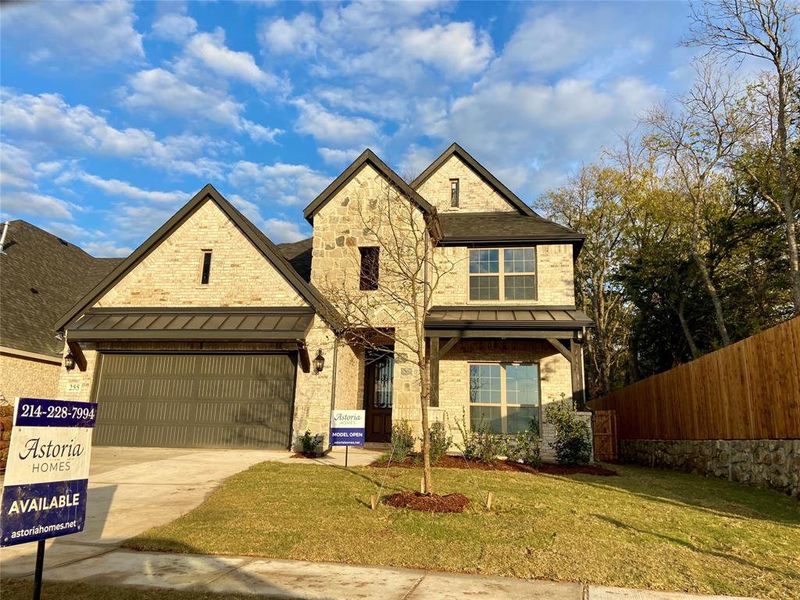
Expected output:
(479, 444)
(402, 440)
(573, 442)
(525, 447)
(440, 442)
(310, 444)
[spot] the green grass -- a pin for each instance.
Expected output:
(644, 529)
(23, 590)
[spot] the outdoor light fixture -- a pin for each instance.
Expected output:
(319, 362)
(69, 362)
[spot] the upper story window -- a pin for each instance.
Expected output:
(507, 274)
(205, 274)
(368, 279)
(454, 193)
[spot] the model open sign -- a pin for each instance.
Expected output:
(47, 475)
(347, 428)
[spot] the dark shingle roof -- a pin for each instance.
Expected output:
(59, 272)
(299, 256)
(465, 228)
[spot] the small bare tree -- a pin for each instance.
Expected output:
(386, 303)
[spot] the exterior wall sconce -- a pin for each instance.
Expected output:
(69, 361)
(319, 362)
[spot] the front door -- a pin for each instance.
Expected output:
(378, 384)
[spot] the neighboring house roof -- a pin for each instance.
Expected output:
(299, 256)
(42, 276)
(250, 231)
(367, 157)
(507, 317)
(479, 170)
(192, 324)
(476, 228)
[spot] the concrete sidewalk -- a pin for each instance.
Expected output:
(294, 579)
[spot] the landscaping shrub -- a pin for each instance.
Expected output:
(479, 444)
(525, 447)
(402, 440)
(573, 442)
(440, 442)
(310, 444)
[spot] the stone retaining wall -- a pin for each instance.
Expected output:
(766, 463)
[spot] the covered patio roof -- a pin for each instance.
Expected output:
(504, 321)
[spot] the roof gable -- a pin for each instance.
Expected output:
(260, 241)
(366, 157)
(480, 171)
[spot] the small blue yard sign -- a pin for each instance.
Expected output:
(347, 427)
(47, 475)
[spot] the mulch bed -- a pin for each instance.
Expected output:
(459, 462)
(450, 503)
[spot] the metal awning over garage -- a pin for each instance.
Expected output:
(193, 324)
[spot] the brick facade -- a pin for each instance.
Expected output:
(27, 376)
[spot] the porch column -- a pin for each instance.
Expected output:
(434, 399)
(578, 393)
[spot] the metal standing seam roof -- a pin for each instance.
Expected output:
(511, 317)
(193, 324)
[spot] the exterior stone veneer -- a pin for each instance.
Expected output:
(766, 463)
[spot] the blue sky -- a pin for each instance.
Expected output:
(114, 114)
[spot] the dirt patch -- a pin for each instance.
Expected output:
(459, 462)
(450, 503)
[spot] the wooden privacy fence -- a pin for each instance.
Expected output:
(749, 390)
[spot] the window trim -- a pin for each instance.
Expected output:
(501, 274)
(504, 405)
(361, 275)
(457, 195)
(205, 266)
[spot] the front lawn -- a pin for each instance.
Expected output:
(644, 529)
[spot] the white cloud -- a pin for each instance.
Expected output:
(248, 209)
(16, 167)
(332, 128)
(210, 52)
(293, 36)
(337, 157)
(280, 182)
(115, 187)
(161, 92)
(280, 230)
(32, 203)
(456, 49)
(174, 27)
(84, 33)
(106, 249)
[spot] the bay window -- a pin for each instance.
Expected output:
(504, 397)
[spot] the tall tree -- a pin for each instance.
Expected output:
(764, 29)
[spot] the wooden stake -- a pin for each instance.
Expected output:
(373, 501)
(489, 498)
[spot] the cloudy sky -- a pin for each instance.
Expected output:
(113, 114)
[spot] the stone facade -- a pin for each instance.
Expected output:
(475, 195)
(766, 463)
(28, 376)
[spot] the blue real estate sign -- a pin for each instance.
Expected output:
(44, 491)
(347, 427)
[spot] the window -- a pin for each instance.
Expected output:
(205, 274)
(369, 268)
(504, 398)
(517, 269)
(454, 193)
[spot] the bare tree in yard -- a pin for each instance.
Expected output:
(763, 29)
(389, 301)
(698, 142)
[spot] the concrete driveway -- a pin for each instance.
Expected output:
(132, 490)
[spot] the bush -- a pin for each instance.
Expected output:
(573, 441)
(479, 444)
(525, 447)
(402, 440)
(310, 444)
(440, 442)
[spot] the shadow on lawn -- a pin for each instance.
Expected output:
(716, 497)
(694, 548)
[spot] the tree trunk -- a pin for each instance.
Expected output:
(714, 295)
(425, 394)
(794, 261)
(686, 332)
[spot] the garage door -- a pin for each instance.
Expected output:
(195, 400)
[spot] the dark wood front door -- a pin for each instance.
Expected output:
(378, 385)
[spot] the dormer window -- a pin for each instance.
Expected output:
(205, 274)
(454, 193)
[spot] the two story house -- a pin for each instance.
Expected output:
(210, 335)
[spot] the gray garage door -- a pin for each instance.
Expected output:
(195, 400)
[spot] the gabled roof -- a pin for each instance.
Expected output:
(367, 157)
(250, 231)
(42, 276)
(479, 170)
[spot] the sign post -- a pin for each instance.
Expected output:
(47, 475)
(347, 429)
